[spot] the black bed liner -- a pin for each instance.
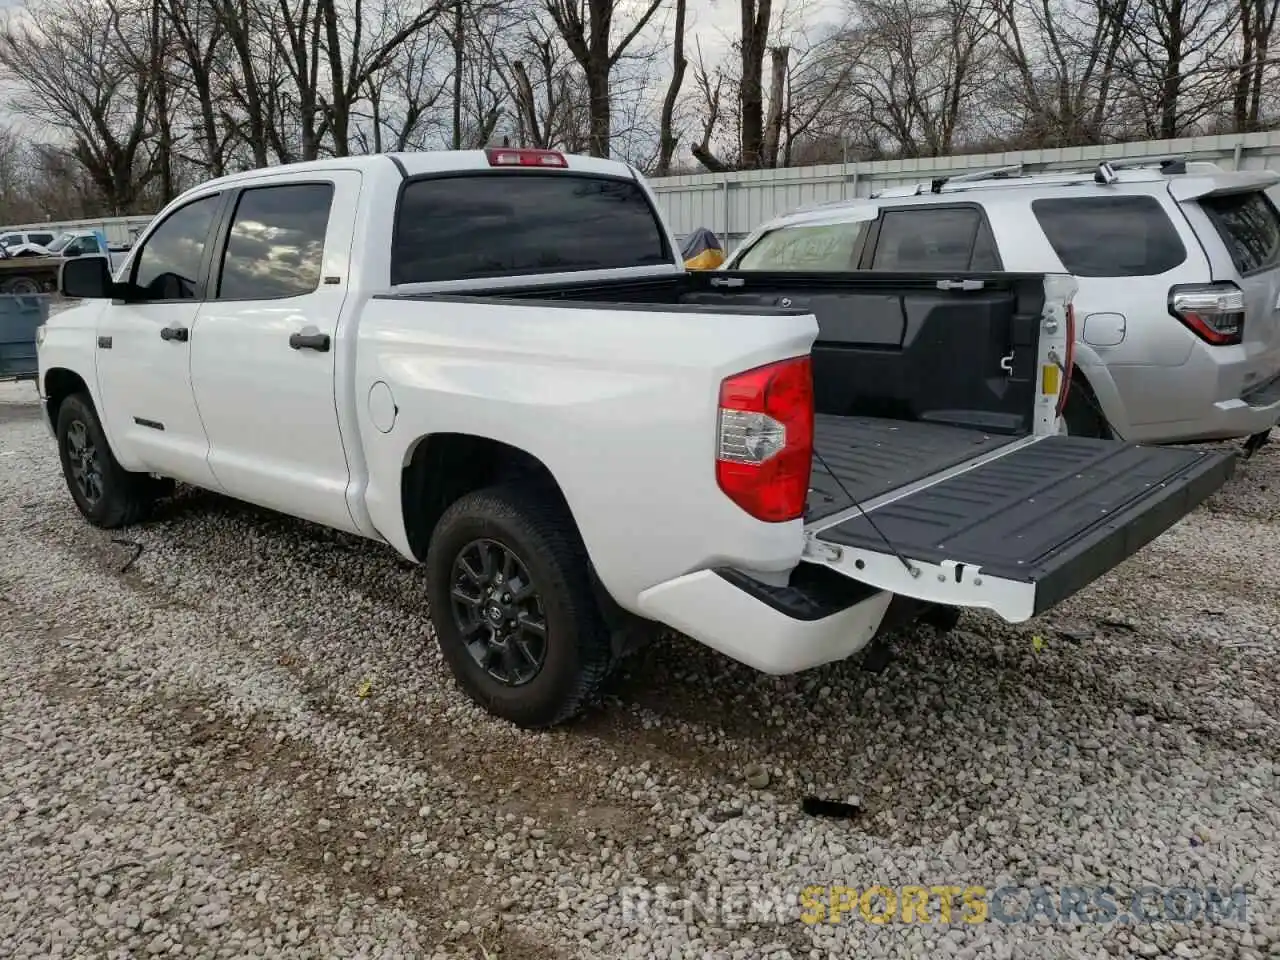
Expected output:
(873, 456)
(1058, 513)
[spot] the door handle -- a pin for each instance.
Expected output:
(309, 341)
(174, 333)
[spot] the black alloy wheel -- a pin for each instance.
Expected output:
(499, 612)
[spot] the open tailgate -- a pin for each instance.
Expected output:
(1015, 530)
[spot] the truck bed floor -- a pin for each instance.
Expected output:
(872, 456)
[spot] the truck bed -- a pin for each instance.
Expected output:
(862, 458)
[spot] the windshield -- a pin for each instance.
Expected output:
(807, 247)
(61, 242)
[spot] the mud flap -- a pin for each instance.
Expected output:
(1019, 532)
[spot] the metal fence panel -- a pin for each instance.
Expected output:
(734, 204)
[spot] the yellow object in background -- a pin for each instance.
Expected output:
(702, 251)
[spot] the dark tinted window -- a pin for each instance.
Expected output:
(1248, 225)
(1110, 236)
(453, 228)
(168, 264)
(40, 238)
(276, 243)
(928, 239)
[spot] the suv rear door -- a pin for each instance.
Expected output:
(1240, 229)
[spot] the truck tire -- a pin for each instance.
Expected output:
(23, 287)
(535, 654)
(108, 495)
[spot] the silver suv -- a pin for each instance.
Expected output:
(1177, 318)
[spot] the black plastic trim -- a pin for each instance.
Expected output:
(153, 424)
(813, 592)
(404, 174)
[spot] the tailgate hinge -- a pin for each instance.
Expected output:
(961, 284)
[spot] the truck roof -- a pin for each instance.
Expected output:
(415, 164)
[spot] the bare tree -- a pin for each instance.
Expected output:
(920, 67)
(1174, 62)
(1062, 57)
(82, 76)
(668, 138)
(587, 29)
(1257, 20)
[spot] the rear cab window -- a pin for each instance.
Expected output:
(1112, 236)
(472, 226)
(1250, 228)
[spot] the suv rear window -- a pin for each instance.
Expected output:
(492, 225)
(1110, 236)
(1248, 225)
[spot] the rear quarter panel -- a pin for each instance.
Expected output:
(619, 403)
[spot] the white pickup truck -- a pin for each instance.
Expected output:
(494, 362)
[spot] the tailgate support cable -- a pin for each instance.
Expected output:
(854, 500)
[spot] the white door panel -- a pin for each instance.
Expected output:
(144, 351)
(264, 347)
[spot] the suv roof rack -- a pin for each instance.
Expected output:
(1103, 172)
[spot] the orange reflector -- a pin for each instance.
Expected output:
(1049, 379)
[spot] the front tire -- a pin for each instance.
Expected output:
(512, 605)
(108, 495)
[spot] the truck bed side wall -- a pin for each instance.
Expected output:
(620, 404)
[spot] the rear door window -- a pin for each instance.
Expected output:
(1249, 226)
(275, 248)
(1117, 236)
(825, 247)
(934, 238)
(493, 225)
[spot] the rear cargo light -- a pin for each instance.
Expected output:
(1214, 312)
(764, 451)
(508, 157)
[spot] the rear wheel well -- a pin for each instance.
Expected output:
(446, 466)
(60, 383)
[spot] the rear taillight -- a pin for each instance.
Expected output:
(1214, 312)
(514, 157)
(764, 451)
(1069, 363)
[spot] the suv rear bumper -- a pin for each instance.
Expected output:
(777, 630)
(1258, 410)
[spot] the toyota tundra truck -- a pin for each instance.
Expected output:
(494, 362)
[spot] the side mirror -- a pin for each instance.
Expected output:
(72, 251)
(85, 278)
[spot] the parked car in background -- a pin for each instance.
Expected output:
(19, 238)
(1178, 311)
(27, 269)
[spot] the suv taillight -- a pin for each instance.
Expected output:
(764, 450)
(1214, 312)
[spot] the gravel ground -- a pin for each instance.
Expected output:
(245, 744)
